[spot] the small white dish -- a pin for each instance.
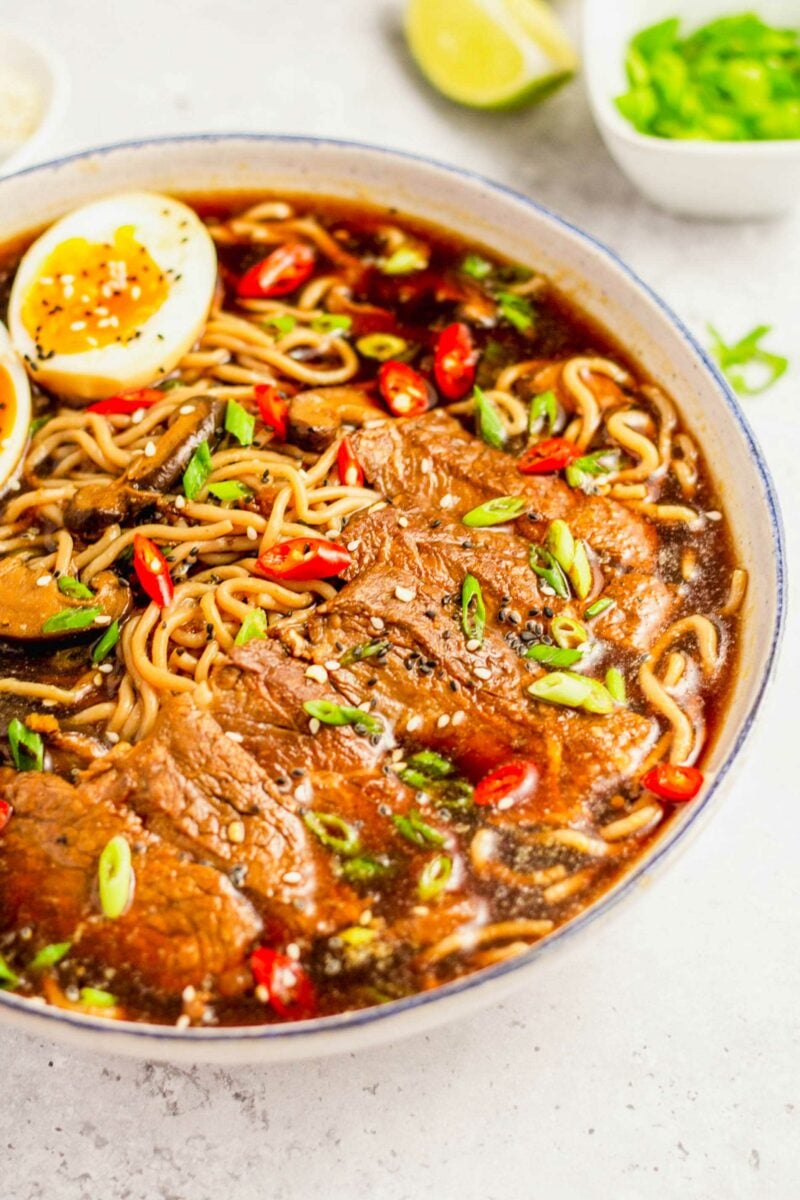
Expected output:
(727, 180)
(43, 75)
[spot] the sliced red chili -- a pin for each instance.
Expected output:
(454, 361)
(405, 391)
(5, 814)
(673, 783)
(273, 409)
(127, 402)
(553, 454)
(281, 272)
(350, 472)
(152, 570)
(290, 992)
(303, 558)
(510, 784)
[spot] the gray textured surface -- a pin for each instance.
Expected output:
(663, 1057)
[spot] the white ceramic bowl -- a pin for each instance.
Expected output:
(46, 71)
(610, 293)
(727, 180)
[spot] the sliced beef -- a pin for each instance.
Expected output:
(643, 606)
(433, 463)
(186, 924)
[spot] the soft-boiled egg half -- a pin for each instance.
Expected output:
(113, 295)
(15, 407)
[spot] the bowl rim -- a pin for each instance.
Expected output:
(317, 1028)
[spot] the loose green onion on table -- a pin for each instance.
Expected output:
(761, 368)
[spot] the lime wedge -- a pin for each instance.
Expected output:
(489, 53)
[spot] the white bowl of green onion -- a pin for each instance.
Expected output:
(698, 101)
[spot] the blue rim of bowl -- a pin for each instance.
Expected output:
(342, 1023)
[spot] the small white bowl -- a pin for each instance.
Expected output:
(47, 74)
(728, 180)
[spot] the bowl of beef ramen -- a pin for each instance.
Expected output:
(388, 583)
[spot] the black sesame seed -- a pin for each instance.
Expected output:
(547, 610)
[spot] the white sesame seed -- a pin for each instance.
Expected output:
(413, 723)
(180, 502)
(714, 515)
(397, 755)
(377, 623)
(97, 679)
(185, 409)
(426, 465)
(365, 917)
(43, 580)
(443, 721)
(351, 546)
(76, 326)
(183, 1022)
(402, 522)
(262, 994)
(189, 994)
(313, 725)
(104, 322)
(317, 672)
(136, 292)
(420, 910)
(234, 735)
(102, 620)
(459, 718)
(105, 669)
(137, 417)
(293, 951)
(405, 594)
(483, 673)
(252, 533)
(14, 485)
(473, 644)
(150, 450)
(101, 310)
(236, 832)
(292, 877)
(332, 664)
(447, 501)
(112, 737)
(546, 589)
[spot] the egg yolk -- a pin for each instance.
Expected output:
(92, 294)
(8, 405)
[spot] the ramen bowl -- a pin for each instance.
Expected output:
(611, 295)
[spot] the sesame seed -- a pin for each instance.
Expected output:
(351, 546)
(443, 721)
(397, 755)
(473, 644)
(43, 580)
(150, 450)
(332, 664)
(402, 522)
(137, 417)
(112, 737)
(185, 409)
(483, 673)
(313, 725)
(459, 718)
(76, 326)
(405, 594)
(365, 917)
(189, 994)
(714, 515)
(426, 466)
(234, 736)
(102, 620)
(293, 951)
(236, 832)
(252, 533)
(317, 672)
(183, 1022)
(292, 877)
(448, 501)
(377, 623)
(97, 679)
(105, 669)
(413, 723)
(262, 993)
(180, 502)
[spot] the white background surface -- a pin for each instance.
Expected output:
(661, 1059)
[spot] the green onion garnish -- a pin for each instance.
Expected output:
(239, 423)
(381, 346)
(283, 325)
(580, 573)
(334, 832)
(253, 626)
(48, 956)
(544, 413)
(364, 868)
(488, 422)
(434, 877)
(554, 656)
(430, 772)
(27, 748)
(434, 765)
(197, 472)
(516, 310)
(415, 829)
(405, 259)
(167, 385)
(747, 352)
(473, 610)
(366, 650)
(573, 691)
(561, 544)
(567, 632)
(229, 491)
(545, 566)
(73, 587)
(615, 683)
(476, 266)
(579, 473)
(331, 322)
(115, 877)
(494, 512)
(600, 606)
(38, 423)
(97, 998)
(107, 643)
(337, 714)
(8, 978)
(71, 619)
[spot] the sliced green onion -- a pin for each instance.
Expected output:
(405, 259)
(8, 978)
(115, 877)
(476, 266)
(71, 618)
(253, 626)
(434, 877)
(494, 512)
(97, 998)
(107, 643)
(283, 324)
(414, 829)
(615, 683)
(573, 691)
(579, 473)
(516, 310)
(197, 472)
(230, 490)
(600, 606)
(434, 765)
(331, 322)
(567, 632)
(553, 656)
(357, 935)
(561, 544)
(337, 714)
(334, 832)
(364, 868)
(39, 423)
(27, 748)
(580, 573)
(381, 346)
(167, 385)
(544, 413)
(73, 587)
(747, 352)
(48, 956)
(239, 423)
(473, 610)
(366, 650)
(488, 421)
(545, 566)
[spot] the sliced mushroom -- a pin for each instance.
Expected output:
(316, 418)
(26, 605)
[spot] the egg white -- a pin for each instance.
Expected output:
(12, 446)
(178, 242)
